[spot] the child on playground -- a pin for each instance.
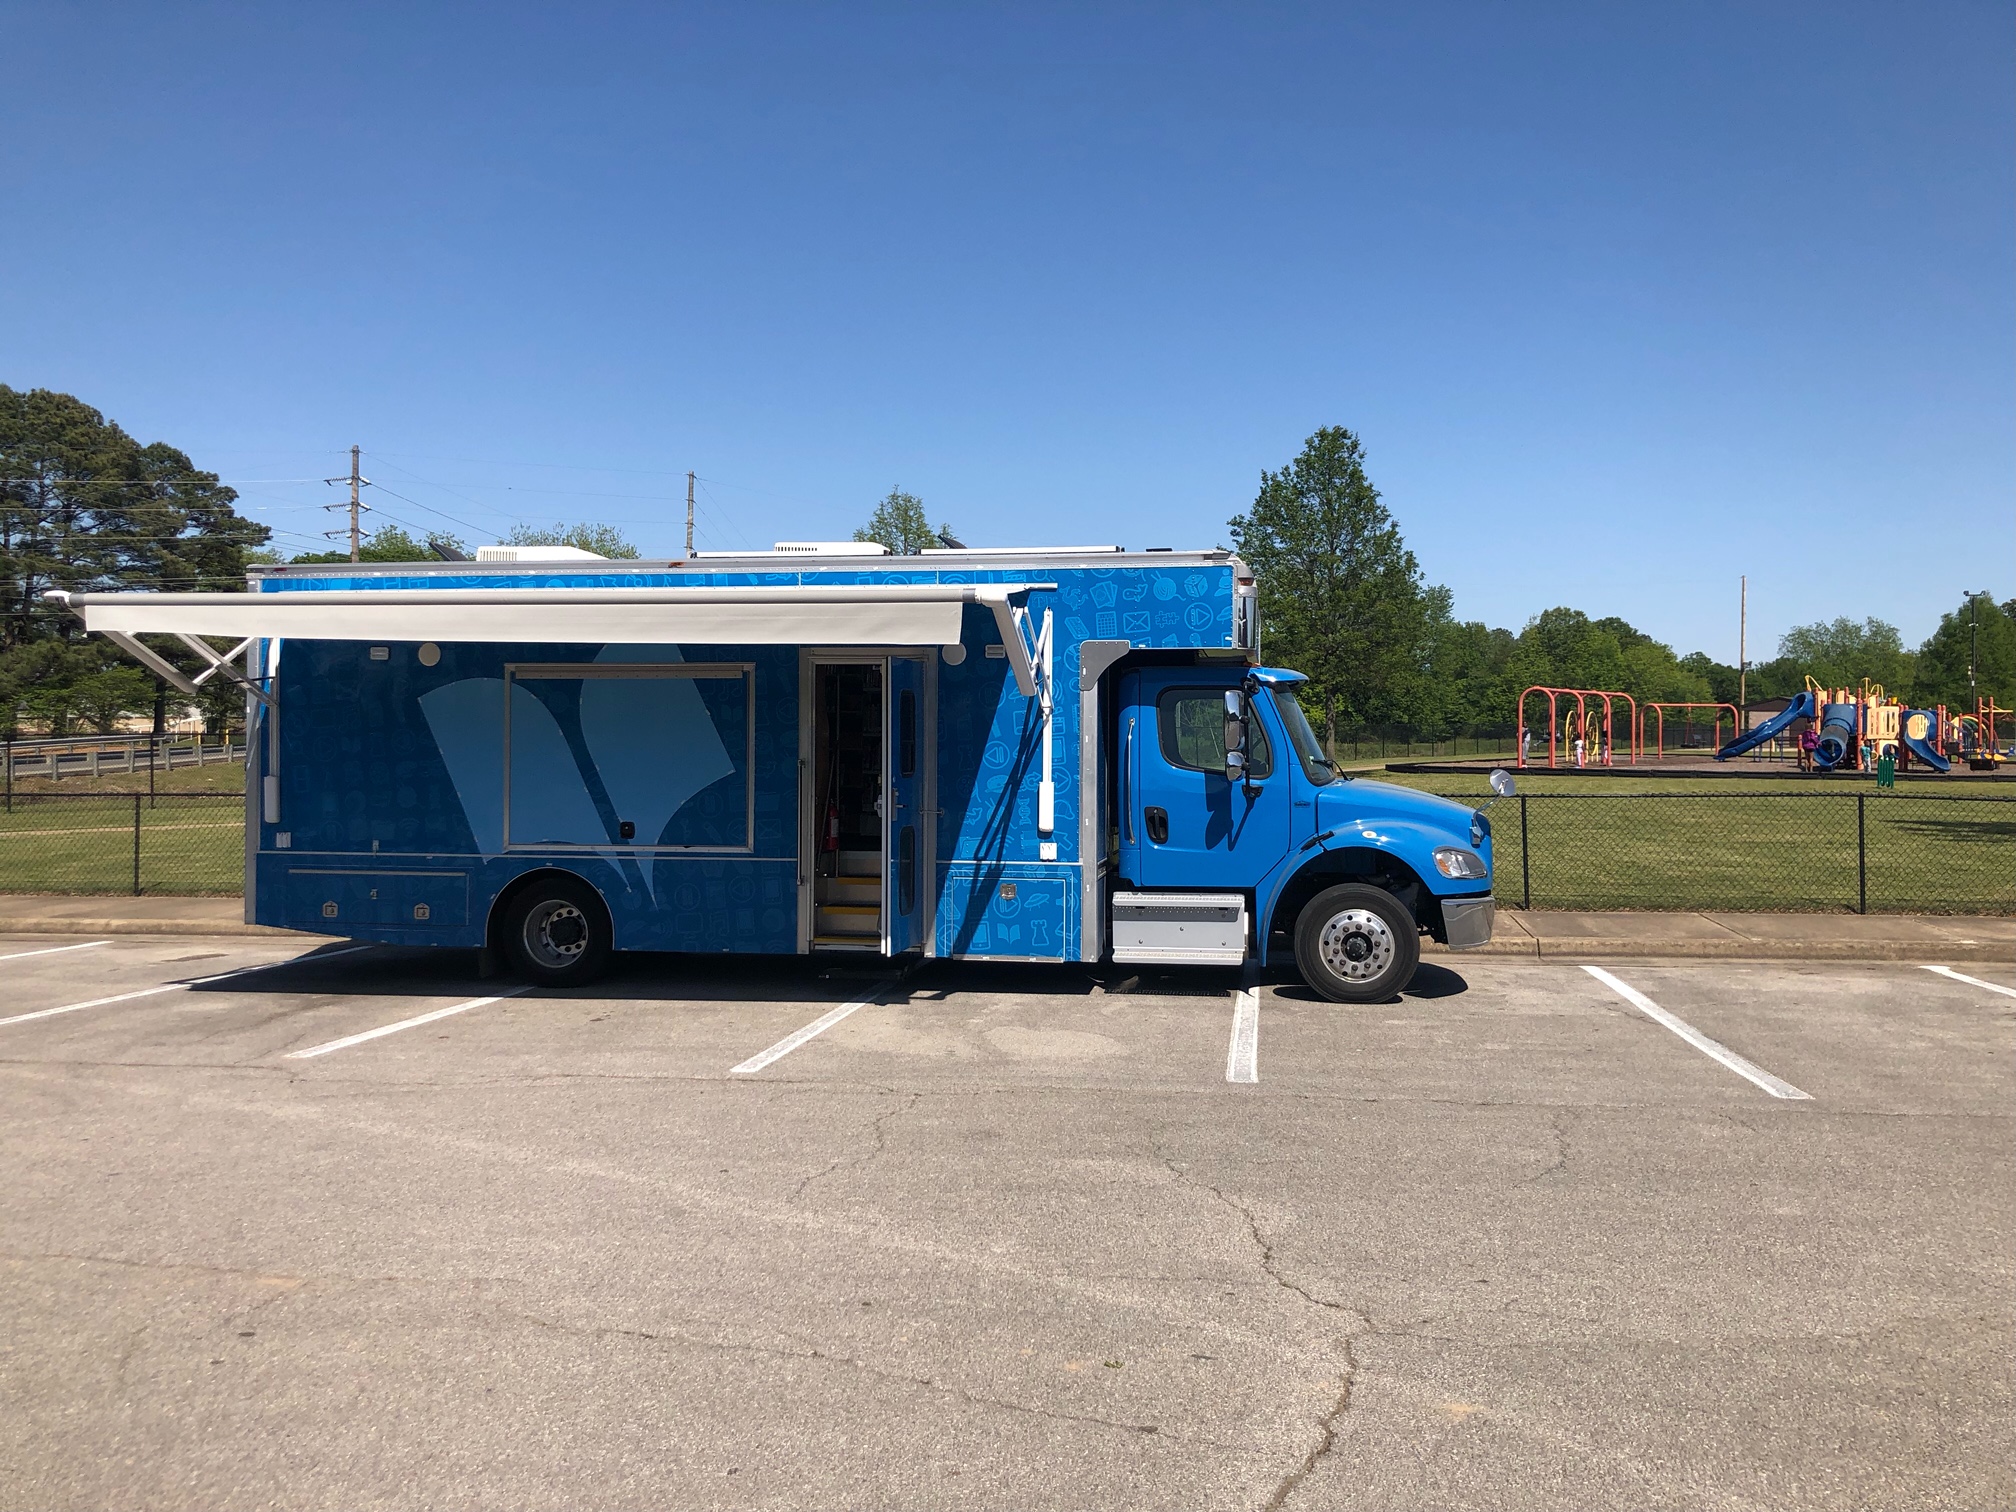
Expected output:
(1809, 742)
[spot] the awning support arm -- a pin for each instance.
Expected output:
(166, 670)
(1013, 622)
(153, 662)
(224, 663)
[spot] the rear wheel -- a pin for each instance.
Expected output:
(556, 932)
(1356, 944)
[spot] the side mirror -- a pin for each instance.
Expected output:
(1501, 782)
(1235, 736)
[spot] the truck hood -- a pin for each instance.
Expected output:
(1360, 803)
(1404, 823)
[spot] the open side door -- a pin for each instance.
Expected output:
(905, 865)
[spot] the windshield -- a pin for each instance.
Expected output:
(1314, 763)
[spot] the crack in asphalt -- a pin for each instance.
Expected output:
(1327, 1423)
(1326, 1440)
(898, 1377)
(1559, 1124)
(878, 1127)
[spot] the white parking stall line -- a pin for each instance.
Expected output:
(1242, 1056)
(1713, 1049)
(412, 1023)
(222, 976)
(1948, 971)
(20, 955)
(798, 1037)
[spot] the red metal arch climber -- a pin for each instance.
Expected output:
(1599, 753)
(1659, 711)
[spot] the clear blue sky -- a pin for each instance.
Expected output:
(1625, 300)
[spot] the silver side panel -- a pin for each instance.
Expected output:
(1094, 658)
(1194, 929)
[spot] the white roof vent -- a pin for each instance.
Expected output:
(831, 548)
(1018, 551)
(537, 554)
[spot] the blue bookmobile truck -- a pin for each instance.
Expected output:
(1032, 755)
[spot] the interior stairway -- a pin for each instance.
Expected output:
(848, 908)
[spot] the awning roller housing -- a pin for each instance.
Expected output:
(868, 614)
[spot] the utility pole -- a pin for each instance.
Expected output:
(356, 506)
(689, 514)
(356, 546)
(1974, 642)
(1743, 647)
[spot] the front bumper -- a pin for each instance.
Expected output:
(1468, 921)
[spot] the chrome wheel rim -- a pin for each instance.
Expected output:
(555, 933)
(1357, 945)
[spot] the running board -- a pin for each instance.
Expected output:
(1172, 928)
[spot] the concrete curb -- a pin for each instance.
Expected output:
(69, 926)
(1944, 952)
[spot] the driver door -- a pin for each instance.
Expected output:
(1194, 828)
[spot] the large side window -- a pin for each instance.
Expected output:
(646, 755)
(1191, 725)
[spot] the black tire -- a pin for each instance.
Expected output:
(556, 933)
(1357, 944)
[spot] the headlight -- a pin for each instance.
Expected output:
(1460, 864)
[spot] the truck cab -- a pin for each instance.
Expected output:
(1237, 839)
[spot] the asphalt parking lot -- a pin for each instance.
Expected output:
(1660, 1235)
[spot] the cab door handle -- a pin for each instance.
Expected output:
(1157, 821)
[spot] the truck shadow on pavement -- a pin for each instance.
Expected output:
(394, 971)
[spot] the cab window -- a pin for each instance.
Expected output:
(1191, 725)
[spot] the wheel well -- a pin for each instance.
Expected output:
(1355, 864)
(501, 904)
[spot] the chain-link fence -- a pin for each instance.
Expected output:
(1867, 853)
(175, 843)
(1872, 853)
(1373, 747)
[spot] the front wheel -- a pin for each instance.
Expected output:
(557, 933)
(1357, 944)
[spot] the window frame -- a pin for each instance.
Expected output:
(516, 672)
(1165, 732)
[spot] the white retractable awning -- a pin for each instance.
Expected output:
(868, 614)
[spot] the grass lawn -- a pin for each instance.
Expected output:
(1596, 842)
(1736, 844)
(83, 843)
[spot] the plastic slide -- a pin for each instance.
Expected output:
(1800, 708)
(1839, 723)
(1915, 729)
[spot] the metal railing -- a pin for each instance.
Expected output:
(178, 844)
(113, 755)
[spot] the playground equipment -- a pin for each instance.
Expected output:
(1975, 737)
(1659, 711)
(1595, 751)
(1855, 728)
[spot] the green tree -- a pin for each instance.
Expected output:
(389, 543)
(84, 506)
(1564, 648)
(603, 540)
(1341, 596)
(1840, 653)
(1723, 680)
(1981, 631)
(899, 522)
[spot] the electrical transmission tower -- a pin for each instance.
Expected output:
(356, 506)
